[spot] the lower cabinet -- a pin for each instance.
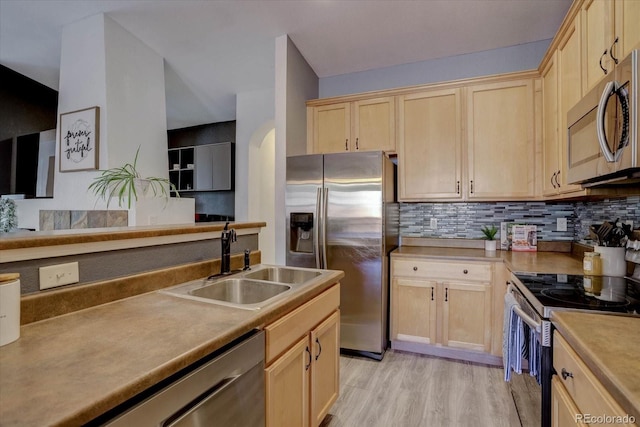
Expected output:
(302, 363)
(576, 393)
(441, 304)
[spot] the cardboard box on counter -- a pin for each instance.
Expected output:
(524, 238)
(506, 235)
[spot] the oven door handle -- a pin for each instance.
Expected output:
(537, 326)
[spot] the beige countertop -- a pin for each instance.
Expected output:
(68, 369)
(531, 262)
(610, 346)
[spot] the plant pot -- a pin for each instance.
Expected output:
(490, 245)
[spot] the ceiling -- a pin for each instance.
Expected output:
(216, 49)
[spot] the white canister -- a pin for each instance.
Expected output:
(613, 262)
(9, 308)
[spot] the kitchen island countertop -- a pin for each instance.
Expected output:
(69, 369)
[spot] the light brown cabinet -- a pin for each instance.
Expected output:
(302, 363)
(609, 33)
(362, 125)
(430, 145)
(576, 391)
(441, 305)
(561, 90)
(501, 125)
(437, 160)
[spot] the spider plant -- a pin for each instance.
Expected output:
(489, 232)
(122, 182)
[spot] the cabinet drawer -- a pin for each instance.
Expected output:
(584, 388)
(284, 332)
(426, 269)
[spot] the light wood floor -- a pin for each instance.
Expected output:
(411, 390)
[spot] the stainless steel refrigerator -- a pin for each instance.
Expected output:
(342, 215)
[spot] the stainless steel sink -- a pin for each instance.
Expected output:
(283, 275)
(240, 291)
(248, 290)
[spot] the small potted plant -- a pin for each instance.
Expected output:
(125, 183)
(490, 237)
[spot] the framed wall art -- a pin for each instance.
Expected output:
(79, 137)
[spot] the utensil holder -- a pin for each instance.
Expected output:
(613, 262)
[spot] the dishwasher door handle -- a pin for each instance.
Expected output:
(200, 401)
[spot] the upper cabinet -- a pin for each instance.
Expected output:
(501, 140)
(430, 145)
(362, 125)
(609, 33)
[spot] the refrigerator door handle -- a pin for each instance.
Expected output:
(316, 232)
(325, 203)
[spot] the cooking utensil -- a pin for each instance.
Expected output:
(604, 230)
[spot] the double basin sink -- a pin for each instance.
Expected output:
(249, 290)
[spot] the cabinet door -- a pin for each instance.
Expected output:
(550, 115)
(332, 128)
(501, 146)
(627, 19)
(466, 315)
(413, 311)
(429, 145)
(597, 36)
(563, 409)
(287, 387)
(374, 125)
(570, 91)
(325, 367)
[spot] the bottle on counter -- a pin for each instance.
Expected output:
(592, 268)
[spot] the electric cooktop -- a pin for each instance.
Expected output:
(600, 293)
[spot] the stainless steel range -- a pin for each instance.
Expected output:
(538, 295)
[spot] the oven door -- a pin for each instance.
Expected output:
(531, 317)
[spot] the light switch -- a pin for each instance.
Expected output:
(58, 275)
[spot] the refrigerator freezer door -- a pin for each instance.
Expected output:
(354, 197)
(303, 192)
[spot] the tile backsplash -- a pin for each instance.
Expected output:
(67, 219)
(464, 220)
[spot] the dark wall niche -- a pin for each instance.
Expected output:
(26, 106)
(210, 205)
(26, 109)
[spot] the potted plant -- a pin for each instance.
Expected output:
(490, 236)
(125, 182)
(8, 217)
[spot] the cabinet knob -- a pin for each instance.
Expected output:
(465, 271)
(415, 268)
(566, 374)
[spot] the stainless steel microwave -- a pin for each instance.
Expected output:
(603, 130)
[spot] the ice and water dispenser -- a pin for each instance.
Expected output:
(301, 232)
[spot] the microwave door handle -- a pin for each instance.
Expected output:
(609, 89)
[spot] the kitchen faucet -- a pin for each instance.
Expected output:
(228, 236)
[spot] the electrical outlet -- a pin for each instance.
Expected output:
(561, 224)
(58, 275)
(433, 223)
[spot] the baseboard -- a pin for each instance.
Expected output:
(447, 352)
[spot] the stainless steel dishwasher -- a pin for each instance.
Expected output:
(226, 391)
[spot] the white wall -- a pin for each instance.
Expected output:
(104, 65)
(496, 61)
(46, 149)
(295, 83)
(255, 112)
